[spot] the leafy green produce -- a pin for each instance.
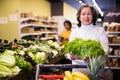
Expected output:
(5, 71)
(84, 48)
(15, 70)
(42, 51)
(28, 58)
(9, 52)
(7, 60)
(24, 65)
(40, 57)
(45, 48)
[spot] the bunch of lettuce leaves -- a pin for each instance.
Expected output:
(84, 48)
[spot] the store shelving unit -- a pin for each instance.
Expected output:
(113, 62)
(37, 28)
(114, 44)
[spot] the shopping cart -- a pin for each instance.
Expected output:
(56, 71)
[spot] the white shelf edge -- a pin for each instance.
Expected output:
(25, 19)
(48, 32)
(112, 67)
(47, 38)
(48, 21)
(114, 44)
(47, 26)
(34, 25)
(26, 34)
(26, 25)
(113, 32)
(113, 56)
(37, 33)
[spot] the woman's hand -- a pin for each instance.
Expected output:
(74, 57)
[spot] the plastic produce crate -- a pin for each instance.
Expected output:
(53, 71)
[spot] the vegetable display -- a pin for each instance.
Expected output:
(19, 58)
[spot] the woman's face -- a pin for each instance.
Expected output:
(86, 16)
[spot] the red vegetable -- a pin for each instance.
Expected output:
(52, 76)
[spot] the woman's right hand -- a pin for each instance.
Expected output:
(74, 57)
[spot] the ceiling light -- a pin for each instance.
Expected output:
(80, 2)
(98, 8)
(83, 3)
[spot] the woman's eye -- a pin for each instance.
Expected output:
(89, 13)
(83, 14)
(86, 14)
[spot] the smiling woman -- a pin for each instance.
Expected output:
(88, 30)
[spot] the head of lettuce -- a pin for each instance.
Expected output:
(84, 48)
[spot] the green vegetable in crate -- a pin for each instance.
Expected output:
(84, 48)
(7, 60)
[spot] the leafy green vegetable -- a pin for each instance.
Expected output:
(5, 71)
(24, 65)
(84, 48)
(15, 70)
(7, 60)
(9, 52)
(40, 57)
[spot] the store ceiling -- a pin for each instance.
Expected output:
(104, 4)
